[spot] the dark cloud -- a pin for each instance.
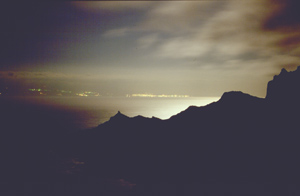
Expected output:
(22, 25)
(28, 29)
(283, 21)
(42, 32)
(285, 17)
(290, 43)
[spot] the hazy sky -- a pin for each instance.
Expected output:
(199, 48)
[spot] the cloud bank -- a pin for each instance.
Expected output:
(192, 47)
(229, 31)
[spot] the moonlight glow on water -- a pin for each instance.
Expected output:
(88, 112)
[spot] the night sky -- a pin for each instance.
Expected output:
(196, 48)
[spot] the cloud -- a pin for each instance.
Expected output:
(233, 30)
(115, 6)
(38, 75)
(173, 17)
(116, 32)
(187, 29)
(100, 75)
(285, 15)
(178, 16)
(284, 20)
(227, 32)
(148, 40)
(182, 47)
(243, 38)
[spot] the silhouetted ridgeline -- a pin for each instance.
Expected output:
(240, 138)
(284, 88)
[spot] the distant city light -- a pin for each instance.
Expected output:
(160, 96)
(96, 94)
(37, 89)
(88, 93)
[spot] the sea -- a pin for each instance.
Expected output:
(87, 112)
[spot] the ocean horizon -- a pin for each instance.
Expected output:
(88, 112)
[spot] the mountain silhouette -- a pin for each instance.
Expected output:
(283, 88)
(239, 138)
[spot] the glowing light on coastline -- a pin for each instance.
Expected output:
(160, 96)
(96, 94)
(88, 93)
(82, 95)
(33, 89)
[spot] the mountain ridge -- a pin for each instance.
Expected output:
(283, 87)
(284, 78)
(237, 138)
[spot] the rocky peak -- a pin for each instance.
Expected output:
(118, 116)
(236, 97)
(284, 88)
(233, 95)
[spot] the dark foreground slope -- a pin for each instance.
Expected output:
(240, 138)
(238, 141)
